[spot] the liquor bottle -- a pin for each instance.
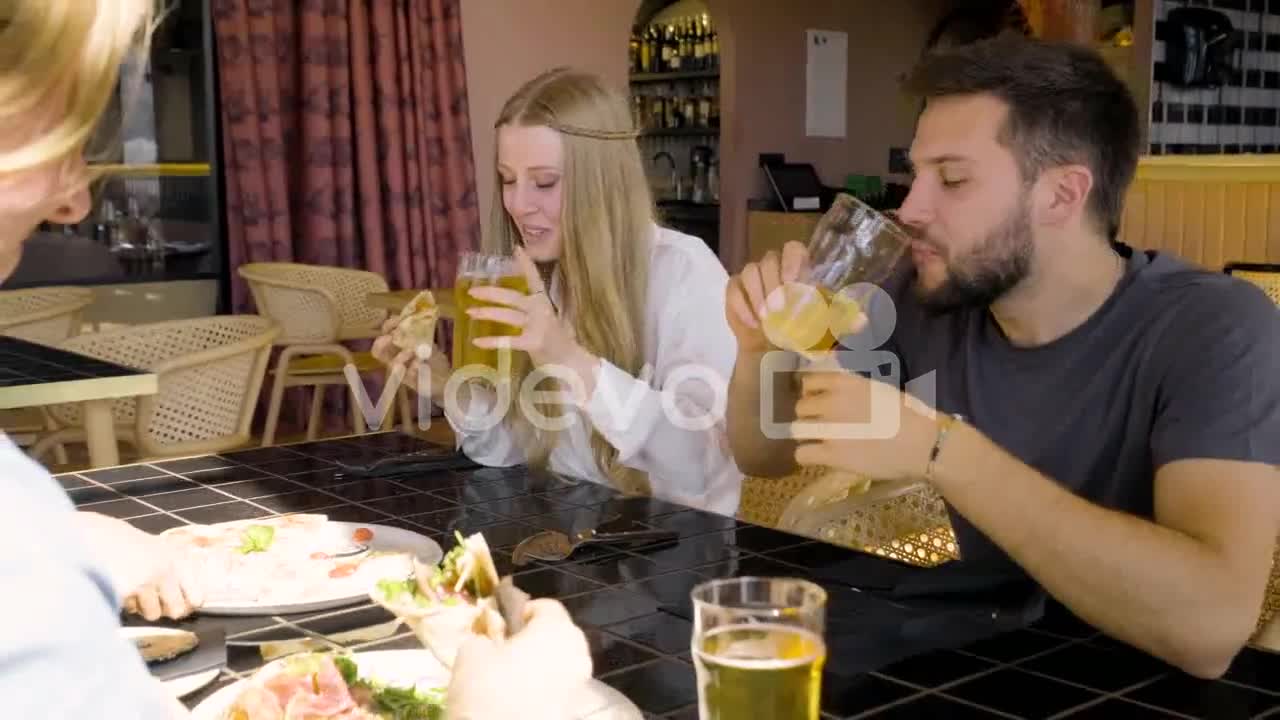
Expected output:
(699, 45)
(715, 47)
(633, 52)
(704, 105)
(677, 48)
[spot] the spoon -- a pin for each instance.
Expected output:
(552, 545)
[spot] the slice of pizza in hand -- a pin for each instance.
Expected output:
(446, 604)
(416, 329)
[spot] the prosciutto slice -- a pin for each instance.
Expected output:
(310, 688)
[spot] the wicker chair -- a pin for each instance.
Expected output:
(45, 315)
(904, 521)
(210, 373)
(1265, 276)
(318, 308)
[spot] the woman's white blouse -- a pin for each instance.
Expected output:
(670, 421)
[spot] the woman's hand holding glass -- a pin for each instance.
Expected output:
(548, 338)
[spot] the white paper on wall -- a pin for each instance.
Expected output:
(826, 83)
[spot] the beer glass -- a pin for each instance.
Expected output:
(758, 648)
(476, 270)
(851, 247)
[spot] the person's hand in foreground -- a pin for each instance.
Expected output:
(539, 673)
(157, 578)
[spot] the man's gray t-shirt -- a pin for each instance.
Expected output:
(1179, 362)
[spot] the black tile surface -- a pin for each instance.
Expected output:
(1104, 670)
(610, 653)
(92, 495)
(108, 476)
(552, 583)
(186, 499)
(232, 474)
(301, 501)
(156, 523)
(632, 602)
(1014, 646)
(416, 503)
(608, 607)
(659, 631)
(937, 668)
(262, 487)
(927, 707)
(845, 696)
(69, 482)
(188, 465)
(696, 522)
(369, 489)
(1119, 708)
(153, 486)
(658, 687)
(1204, 699)
(29, 363)
(1257, 669)
(1035, 696)
(225, 512)
(122, 509)
(357, 514)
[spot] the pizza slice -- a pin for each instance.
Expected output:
(416, 329)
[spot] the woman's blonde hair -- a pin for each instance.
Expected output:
(606, 226)
(64, 50)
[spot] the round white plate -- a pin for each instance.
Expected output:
(385, 538)
(179, 686)
(421, 669)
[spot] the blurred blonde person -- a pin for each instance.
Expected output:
(67, 572)
(626, 316)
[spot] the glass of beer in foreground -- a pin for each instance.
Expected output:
(476, 270)
(852, 248)
(758, 648)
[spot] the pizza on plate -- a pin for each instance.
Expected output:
(291, 559)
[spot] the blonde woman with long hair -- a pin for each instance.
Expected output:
(624, 317)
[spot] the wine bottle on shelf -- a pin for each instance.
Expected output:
(699, 45)
(714, 42)
(633, 52)
(654, 57)
(677, 47)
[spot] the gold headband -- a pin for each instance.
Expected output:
(596, 134)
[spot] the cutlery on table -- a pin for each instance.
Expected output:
(553, 545)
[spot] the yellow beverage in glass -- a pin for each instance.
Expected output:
(758, 648)
(478, 270)
(851, 246)
(765, 671)
(812, 319)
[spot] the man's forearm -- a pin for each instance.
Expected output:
(754, 453)
(1153, 587)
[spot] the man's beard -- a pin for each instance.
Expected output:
(999, 262)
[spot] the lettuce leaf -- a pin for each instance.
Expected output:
(257, 538)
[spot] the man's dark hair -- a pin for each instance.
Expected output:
(1066, 106)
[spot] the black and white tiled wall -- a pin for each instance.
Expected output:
(1241, 117)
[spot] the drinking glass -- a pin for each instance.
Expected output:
(758, 648)
(852, 249)
(475, 270)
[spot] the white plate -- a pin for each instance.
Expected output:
(385, 538)
(179, 686)
(421, 669)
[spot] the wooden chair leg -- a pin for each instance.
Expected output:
(277, 397)
(317, 409)
(59, 450)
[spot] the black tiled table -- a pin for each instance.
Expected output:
(32, 375)
(632, 603)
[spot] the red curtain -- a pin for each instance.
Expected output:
(346, 137)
